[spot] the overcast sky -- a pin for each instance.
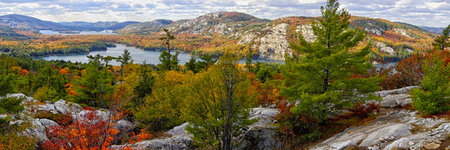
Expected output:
(435, 13)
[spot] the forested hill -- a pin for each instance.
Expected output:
(30, 23)
(270, 38)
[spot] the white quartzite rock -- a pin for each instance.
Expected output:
(274, 45)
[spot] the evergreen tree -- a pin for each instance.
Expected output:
(7, 79)
(146, 80)
(191, 65)
(96, 61)
(52, 81)
(205, 62)
(167, 39)
(168, 61)
(93, 86)
(324, 78)
(442, 41)
(124, 60)
(108, 59)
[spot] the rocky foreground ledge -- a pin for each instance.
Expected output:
(39, 126)
(394, 128)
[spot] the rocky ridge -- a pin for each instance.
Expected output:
(393, 128)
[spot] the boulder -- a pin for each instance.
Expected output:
(395, 100)
(102, 114)
(179, 139)
(404, 90)
(265, 117)
(65, 107)
(20, 95)
(39, 129)
(123, 125)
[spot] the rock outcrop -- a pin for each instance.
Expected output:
(385, 49)
(273, 45)
(177, 139)
(260, 135)
(39, 126)
(393, 129)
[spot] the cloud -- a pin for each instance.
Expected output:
(423, 12)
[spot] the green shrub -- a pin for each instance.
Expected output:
(45, 94)
(434, 98)
(11, 105)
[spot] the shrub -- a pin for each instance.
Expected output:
(45, 94)
(409, 71)
(435, 96)
(91, 131)
(9, 136)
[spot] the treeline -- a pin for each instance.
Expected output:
(29, 51)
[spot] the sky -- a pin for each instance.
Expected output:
(433, 13)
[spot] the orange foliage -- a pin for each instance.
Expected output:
(143, 135)
(24, 72)
(90, 132)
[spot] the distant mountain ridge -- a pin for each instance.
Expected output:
(31, 23)
(221, 22)
(108, 25)
(26, 22)
(437, 30)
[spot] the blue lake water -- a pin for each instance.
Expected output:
(138, 56)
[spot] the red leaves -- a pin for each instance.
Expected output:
(90, 131)
(409, 71)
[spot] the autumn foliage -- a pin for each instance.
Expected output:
(409, 71)
(88, 132)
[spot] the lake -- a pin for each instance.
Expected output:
(104, 32)
(138, 56)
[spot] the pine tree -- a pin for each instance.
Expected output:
(324, 78)
(146, 80)
(93, 86)
(442, 41)
(124, 60)
(191, 65)
(168, 61)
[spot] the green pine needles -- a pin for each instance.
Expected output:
(326, 77)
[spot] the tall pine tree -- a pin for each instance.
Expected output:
(442, 41)
(168, 61)
(325, 76)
